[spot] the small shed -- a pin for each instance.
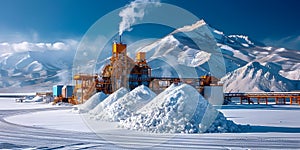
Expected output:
(67, 91)
(57, 90)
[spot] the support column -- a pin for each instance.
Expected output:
(82, 92)
(276, 100)
(291, 100)
(241, 98)
(266, 100)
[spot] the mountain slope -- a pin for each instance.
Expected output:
(187, 52)
(247, 50)
(256, 77)
(191, 48)
(21, 69)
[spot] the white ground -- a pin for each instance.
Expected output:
(11, 104)
(272, 127)
(272, 116)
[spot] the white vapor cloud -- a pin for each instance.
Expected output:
(11, 42)
(133, 11)
(6, 47)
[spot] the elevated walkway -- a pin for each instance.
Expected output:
(263, 97)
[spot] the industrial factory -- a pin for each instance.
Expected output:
(123, 71)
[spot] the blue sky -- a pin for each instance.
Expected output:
(274, 22)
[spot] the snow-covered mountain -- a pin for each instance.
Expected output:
(287, 62)
(256, 77)
(20, 70)
(190, 51)
(268, 68)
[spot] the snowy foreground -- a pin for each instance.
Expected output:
(42, 126)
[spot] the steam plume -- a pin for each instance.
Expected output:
(133, 11)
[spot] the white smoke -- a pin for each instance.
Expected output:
(133, 11)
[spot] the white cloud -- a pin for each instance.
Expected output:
(23, 46)
(39, 46)
(4, 44)
(59, 46)
(12, 41)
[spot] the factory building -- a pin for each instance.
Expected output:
(123, 71)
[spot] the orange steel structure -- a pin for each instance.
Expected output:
(263, 97)
(122, 71)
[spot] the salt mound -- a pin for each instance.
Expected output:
(108, 101)
(35, 99)
(180, 109)
(129, 103)
(91, 103)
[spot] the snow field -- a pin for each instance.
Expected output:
(11, 104)
(53, 119)
(272, 127)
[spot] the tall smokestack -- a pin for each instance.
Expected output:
(120, 36)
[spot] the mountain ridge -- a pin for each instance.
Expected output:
(186, 52)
